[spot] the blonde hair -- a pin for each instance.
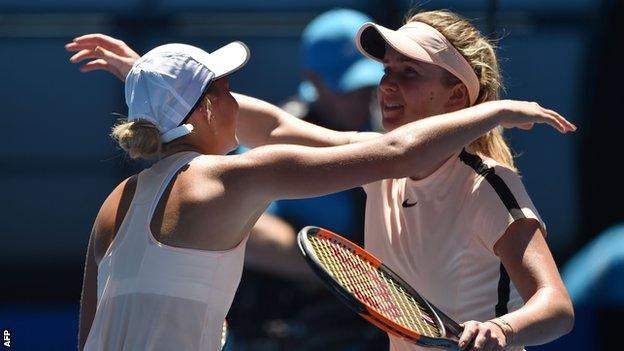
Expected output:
(480, 54)
(139, 138)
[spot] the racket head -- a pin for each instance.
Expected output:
(371, 289)
(224, 335)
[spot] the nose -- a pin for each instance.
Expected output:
(388, 84)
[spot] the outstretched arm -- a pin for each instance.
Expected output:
(407, 150)
(260, 123)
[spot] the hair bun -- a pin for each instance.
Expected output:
(139, 138)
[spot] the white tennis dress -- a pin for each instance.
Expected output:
(152, 296)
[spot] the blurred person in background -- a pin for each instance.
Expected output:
(595, 278)
(595, 273)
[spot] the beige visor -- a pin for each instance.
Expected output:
(420, 42)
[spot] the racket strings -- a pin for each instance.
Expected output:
(373, 286)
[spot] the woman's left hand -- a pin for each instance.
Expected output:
(486, 336)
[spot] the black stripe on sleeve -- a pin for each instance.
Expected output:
(506, 196)
(503, 292)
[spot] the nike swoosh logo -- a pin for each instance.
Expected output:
(407, 204)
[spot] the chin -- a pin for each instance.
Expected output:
(390, 124)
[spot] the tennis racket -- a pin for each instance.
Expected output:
(224, 335)
(376, 293)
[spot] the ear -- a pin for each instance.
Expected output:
(458, 97)
(201, 116)
(206, 112)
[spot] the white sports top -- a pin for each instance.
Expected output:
(152, 296)
(438, 234)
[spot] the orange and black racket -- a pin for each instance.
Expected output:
(376, 293)
(224, 335)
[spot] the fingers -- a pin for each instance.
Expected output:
(91, 41)
(100, 64)
(486, 341)
(482, 335)
(480, 340)
(558, 121)
(94, 38)
(100, 46)
(83, 54)
(555, 123)
(470, 330)
(97, 52)
(569, 126)
(95, 65)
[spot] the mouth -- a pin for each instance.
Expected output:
(391, 107)
(392, 112)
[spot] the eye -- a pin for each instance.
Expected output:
(410, 71)
(387, 70)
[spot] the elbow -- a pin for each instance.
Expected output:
(406, 157)
(568, 318)
(564, 316)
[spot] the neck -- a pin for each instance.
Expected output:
(174, 148)
(427, 172)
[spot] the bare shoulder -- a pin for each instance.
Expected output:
(251, 176)
(229, 166)
(223, 179)
(111, 215)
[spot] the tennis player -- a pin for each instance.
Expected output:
(463, 232)
(167, 245)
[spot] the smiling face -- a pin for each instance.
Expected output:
(411, 90)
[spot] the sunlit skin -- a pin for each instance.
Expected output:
(411, 90)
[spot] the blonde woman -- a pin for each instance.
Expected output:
(463, 232)
(417, 153)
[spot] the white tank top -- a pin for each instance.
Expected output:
(152, 296)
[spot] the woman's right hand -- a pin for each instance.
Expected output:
(110, 54)
(524, 114)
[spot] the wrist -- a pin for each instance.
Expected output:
(506, 328)
(500, 110)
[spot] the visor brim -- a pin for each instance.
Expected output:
(228, 59)
(372, 39)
